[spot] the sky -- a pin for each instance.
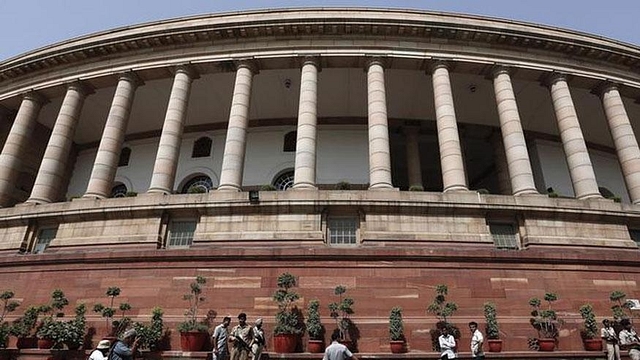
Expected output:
(26, 25)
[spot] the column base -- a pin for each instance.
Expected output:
(94, 196)
(526, 192)
(454, 188)
(228, 187)
(590, 196)
(37, 201)
(304, 186)
(159, 191)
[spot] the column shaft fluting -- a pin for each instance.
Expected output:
(624, 140)
(517, 155)
(414, 168)
(379, 150)
(54, 162)
(16, 145)
(305, 166)
(106, 163)
(453, 174)
(166, 163)
(236, 141)
(581, 171)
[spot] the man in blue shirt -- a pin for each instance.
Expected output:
(126, 348)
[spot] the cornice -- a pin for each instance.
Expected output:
(408, 25)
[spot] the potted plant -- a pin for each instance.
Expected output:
(74, 329)
(50, 329)
(193, 334)
(8, 306)
(115, 328)
(397, 341)
(23, 328)
(151, 334)
(443, 310)
(287, 327)
(589, 333)
(492, 329)
(545, 321)
(621, 308)
(315, 329)
(341, 312)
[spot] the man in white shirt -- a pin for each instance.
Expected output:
(629, 339)
(476, 341)
(447, 344)
(219, 340)
(337, 351)
(608, 334)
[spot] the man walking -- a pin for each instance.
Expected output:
(219, 340)
(337, 351)
(476, 341)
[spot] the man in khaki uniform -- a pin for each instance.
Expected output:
(241, 336)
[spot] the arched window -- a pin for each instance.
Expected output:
(201, 147)
(290, 141)
(119, 190)
(125, 154)
(198, 184)
(284, 181)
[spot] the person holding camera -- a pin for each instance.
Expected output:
(126, 348)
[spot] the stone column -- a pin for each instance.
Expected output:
(17, 145)
(575, 149)
(106, 163)
(164, 168)
(305, 168)
(379, 152)
(453, 174)
(236, 142)
(623, 139)
(414, 168)
(517, 155)
(54, 162)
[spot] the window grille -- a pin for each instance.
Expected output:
(119, 191)
(201, 148)
(342, 231)
(199, 184)
(44, 238)
(504, 236)
(284, 181)
(125, 154)
(181, 234)
(290, 140)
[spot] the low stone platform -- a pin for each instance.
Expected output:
(40, 354)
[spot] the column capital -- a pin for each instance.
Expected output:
(499, 69)
(82, 87)
(188, 70)
(548, 79)
(603, 87)
(310, 60)
(439, 63)
(376, 60)
(250, 64)
(132, 77)
(36, 97)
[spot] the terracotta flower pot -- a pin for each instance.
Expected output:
(193, 340)
(495, 345)
(27, 342)
(592, 344)
(398, 346)
(547, 344)
(45, 343)
(285, 343)
(315, 346)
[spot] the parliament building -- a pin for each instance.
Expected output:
(385, 150)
